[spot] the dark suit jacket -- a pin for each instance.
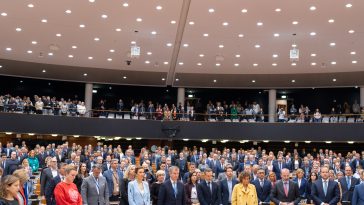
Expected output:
(45, 177)
(332, 196)
(347, 194)
(205, 197)
(188, 189)
(358, 197)
(263, 193)
(49, 190)
(277, 195)
(182, 164)
(166, 194)
(277, 170)
(303, 187)
(224, 190)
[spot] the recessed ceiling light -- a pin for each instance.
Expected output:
(202, 55)
(352, 53)
(294, 22)
(18, 29)
(125, 77)
(139, 19)
(82, 26)
(236, 64)
(257, 46)
(274, 64)
(8, 49)
(50, 54)
(74, 47)
(165, 62)
(253, 81)
(312, 8)
(293, 81)
(260, 24)
(90, 57)
(356, 86)
(293, 64)
(96, 39)
(132, 42)
(58, 35)
(275, 55)
(244, 10)
(158, 7)
(104, 16)
(31, 5)
(147, 62)
(313, 33)
(331, 20)
(4, 14)
(313, 63)
(169, 44)
(185, 45)
(276, 35)
(221, 46)
(118, 29)
(205, 34)
(255, 64)
(85, 74)
(149, 53)
(333, 63)
(332, 44)
(91, 1)
(125, 4)
(348, 5)
(70, 56)
(34, 42)
(44, 20)
(68, 11)
(180, 63)
(153, 32)
(351, 31)
(237, 55)
(294, 45)
(112, 50)
(43, 71)
(191, 23)
(218, 64)
(173, 22)
(29, 51)
(313, 54)
(211, 10)
(163, 79)
(225, 24)
(278, 10)
(214, 81)
(334, 79)
(109, 59)
(241, 35)
(1, 66)
(354, 62)
(199, 64)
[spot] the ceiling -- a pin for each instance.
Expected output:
(201, 43)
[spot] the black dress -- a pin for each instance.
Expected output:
(124, 192)
(154, 190)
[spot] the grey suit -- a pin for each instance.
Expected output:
(89, 193)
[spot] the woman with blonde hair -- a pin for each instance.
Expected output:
(244, 192)
(23, 193)
(129, 176)
(9, 188)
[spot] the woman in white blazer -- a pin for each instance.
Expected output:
(138, 190)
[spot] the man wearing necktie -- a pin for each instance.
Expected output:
(347, 184)
(209, 191)
(49, 189)
(262, 186)
(172, 192)
(226, 186)
(285, 192)
(325, 191)
(94, 188)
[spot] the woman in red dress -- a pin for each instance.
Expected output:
(66, 192)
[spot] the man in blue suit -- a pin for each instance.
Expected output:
(278, 166)
(172, 192)
(262, 186)
(325, 191)
(302, 183)
(111, 175)
(358, 197)
(51, 185)
(208, 191)
(227, 186)
(348, 184)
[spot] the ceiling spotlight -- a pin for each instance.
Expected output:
(132, 42)
(313, 33)
(4, 14)
(276, 35)
(153, 32)
(278, 10)
(180, 63)
(202, 55)
(217, 64)
(169, 44)
(332, 44)
(352, 53)
(293, 64)
(221, 46)
(34, 42)
(18, 29)
(44, 20)
(205, 34)
(74, 47)
(139, 20)
(90, 57)
(58, 35)
(293, 81)
(253, 81)
(274, 64)
(257, 46)
(149, 53)
(159, 7)
(313, 63)
(295, 22)
(185, 45)
(214, 81)
(96, 39)
(354, 62)
(312, 8)
(241, 35)
(109, 59)
(260, 24)
(237, 56)
(177, 79)
(307, 142)
(118, 29)
(328, 142)
(163, 79)
(275, 55)
(8, 49)
(70, 56)
(91, 1)
(199, 64)
(173, 22)
(50, 54)
(124, 77)
(313, 54)
(147, 62)
(211, 10)
(244, 10)
(333, 63)
(334, 80)
(82, 26)
(191, 23)
(112, 50)
(351, 31)
(255, 64)
(43, 71)
(225, 24)
(68, 11)
(85, 74)
(331, 20)
(125, 4)
(294, 45)
(30, 5)
(29, 51)
(236, 64)
(348, 5)
(8, 133)
(165, 62)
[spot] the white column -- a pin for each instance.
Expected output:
(362, 96)
(181, 96)
(272, 105)
(88, 97)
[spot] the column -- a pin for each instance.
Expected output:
(361, 96)
(272, 105)
(181, 96)
(88, 98)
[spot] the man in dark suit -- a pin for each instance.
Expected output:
(11, 164)
(208, 191)
(3, 163)
(278, 166)
(302, 183)
(181, 163)
(51, 185)
(172, 192)
(358, 197)
(227, 186)
(262, 186)
(285, 191)
(325, 191)
(192, 168)
(348, 184)
(47, 175)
